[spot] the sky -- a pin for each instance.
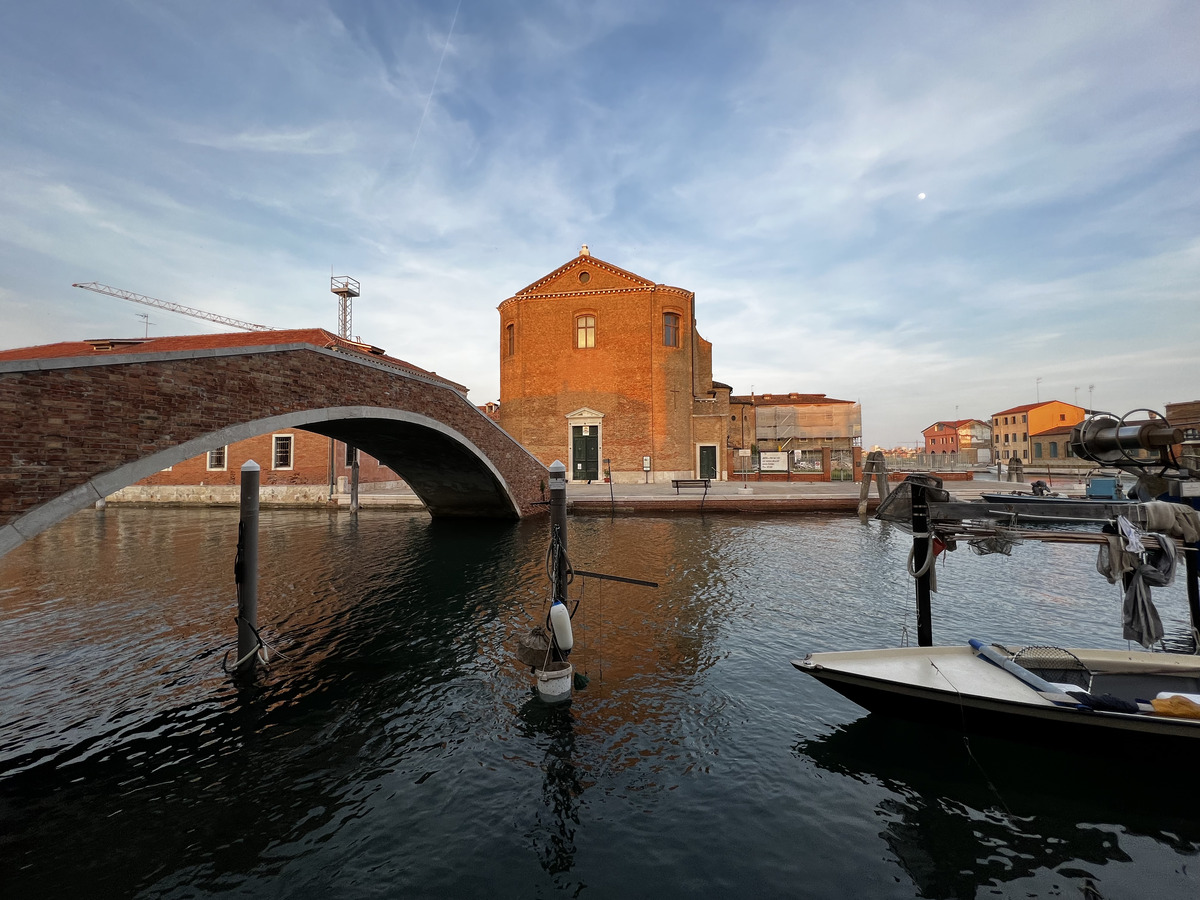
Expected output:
(940, 210)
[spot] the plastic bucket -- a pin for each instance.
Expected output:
(554, 682)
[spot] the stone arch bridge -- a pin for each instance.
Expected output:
(79, 421)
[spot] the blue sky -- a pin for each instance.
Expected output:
(768, 156)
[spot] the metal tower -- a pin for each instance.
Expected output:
(346, 288)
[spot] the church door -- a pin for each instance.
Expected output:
(585, 452)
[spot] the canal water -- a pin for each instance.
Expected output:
(394, 747)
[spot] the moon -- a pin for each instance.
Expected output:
(921, 196)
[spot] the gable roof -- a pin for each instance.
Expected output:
(578, 262)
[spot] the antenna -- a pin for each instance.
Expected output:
(172, 307)
(346, 288)
(145, 317)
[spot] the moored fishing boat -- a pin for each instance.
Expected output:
(1101, 698)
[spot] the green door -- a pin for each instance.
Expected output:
(585, 452)
(708, 461)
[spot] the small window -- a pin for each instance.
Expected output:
(281, 454)
(1037, 451)
(1024, 418)
(510, 334)
(216, 460)
(351, 455)
(1024, 435)
(585, 332)
(1062, 417)
(670, 329)
(1053, 450)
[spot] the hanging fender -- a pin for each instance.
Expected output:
(560, 624)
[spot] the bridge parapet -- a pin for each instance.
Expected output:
(75, 429)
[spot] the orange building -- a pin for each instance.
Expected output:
(1011, 428)
(597, 363)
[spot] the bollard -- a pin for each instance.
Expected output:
(245, 574)
(354, 483)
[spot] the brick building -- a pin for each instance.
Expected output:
(970, 438)
(597, 363)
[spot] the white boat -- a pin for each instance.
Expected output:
(957, 688)
(1107, 699)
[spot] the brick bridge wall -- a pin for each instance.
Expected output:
(75, 430)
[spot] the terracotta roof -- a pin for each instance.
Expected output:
(1057, 429)
(1019, 409)
(318, 337)
(792, 399)
(1029, 406)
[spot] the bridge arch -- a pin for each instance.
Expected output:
(85, 428)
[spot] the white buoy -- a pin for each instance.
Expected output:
(560, 622)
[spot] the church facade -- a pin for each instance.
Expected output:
(605, 370)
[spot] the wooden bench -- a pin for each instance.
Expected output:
(690, 483)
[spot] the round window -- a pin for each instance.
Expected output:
(585, 277)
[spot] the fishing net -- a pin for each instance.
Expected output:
(896, 507)
(1054, 664)
(534, 648)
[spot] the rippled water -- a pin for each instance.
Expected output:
(399, 751)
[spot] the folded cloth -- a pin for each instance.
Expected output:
(1176, 705)
(1175, 519)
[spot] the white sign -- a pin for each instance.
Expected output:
(743, 453)
(772, 462)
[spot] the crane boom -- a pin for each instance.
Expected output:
(172, 307)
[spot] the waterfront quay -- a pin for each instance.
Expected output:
(723, 497)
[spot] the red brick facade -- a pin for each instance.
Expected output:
(599, 349)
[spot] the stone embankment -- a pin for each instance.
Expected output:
(728, 497)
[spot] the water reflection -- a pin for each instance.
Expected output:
(400, 750)
(554, 837)
(961, 814)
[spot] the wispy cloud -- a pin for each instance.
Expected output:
(768, 157)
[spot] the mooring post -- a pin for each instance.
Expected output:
(558, 523)
(922, 563)
(246, 568)
(354, 483)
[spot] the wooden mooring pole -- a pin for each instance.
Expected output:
(874, 465)
(922, 562)
(245, 570)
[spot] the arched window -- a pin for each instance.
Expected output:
(670, 329)
(585, 332)
(510, 337)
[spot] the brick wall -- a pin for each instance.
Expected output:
(643, 388)
(63, 424)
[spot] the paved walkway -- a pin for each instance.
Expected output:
(722, 497)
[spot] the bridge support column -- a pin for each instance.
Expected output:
(245, 570)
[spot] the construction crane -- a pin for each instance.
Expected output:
(172, 307)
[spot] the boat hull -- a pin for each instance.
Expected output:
(988, 704)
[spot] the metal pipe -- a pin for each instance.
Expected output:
(246, 569)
